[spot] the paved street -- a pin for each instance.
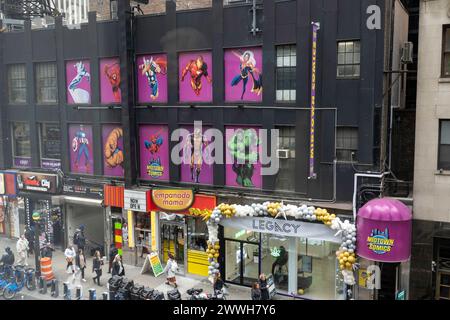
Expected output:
(134, 273)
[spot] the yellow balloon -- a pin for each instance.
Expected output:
(301, 291)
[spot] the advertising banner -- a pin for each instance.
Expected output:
(110, 81)
(81, 150)
(152, 78)
(113, 155)
(173, 199)
(154, 152)
(243, 167)
(243, 75)
(78, 82)
(195, 77)
(33, 181)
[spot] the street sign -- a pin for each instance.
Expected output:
(156, 264)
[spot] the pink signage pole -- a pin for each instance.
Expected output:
(312, 173)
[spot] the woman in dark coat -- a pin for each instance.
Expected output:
(97, 267)
(256, 292)
(117, 266)
(263, 287)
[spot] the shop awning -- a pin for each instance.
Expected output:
(384, 229)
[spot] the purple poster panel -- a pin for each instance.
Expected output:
(154, 152)
(22, 162)
(81, 150)
(195, 167)
(243, 75)
(195, 77)
(78, 82)
(243, 169)
(152, 78)
(50, 164)
(110, 81)
(113, 157)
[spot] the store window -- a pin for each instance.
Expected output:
(197, 234)
(349, 59)
(17, 84)
(286, 73)
(446, 52)
(444, 145)
(50, 143)
(347, 144)
(46, 85)
(21, 144)
(286, 153)
(275, 259)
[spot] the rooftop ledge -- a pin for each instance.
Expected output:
(442, 172)
(444, 80)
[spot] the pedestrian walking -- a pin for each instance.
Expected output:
(117, 266)
(219, 284)
(22, 251)
(29, 235)
(263, 287)
(256, 291)
(7, 261)
(170, 270)
(80, 261)
(113, 252)
(70, 255)
(97, 267)
(47, 251)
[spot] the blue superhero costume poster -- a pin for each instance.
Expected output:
(81, 151)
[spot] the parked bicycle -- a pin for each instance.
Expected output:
(22, 278)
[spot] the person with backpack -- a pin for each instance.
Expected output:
(7, 261)
(113, 252)
(170, 270)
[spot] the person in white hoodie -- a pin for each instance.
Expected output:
(22, 251)
(70, 255)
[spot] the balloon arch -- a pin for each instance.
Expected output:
(346, 255)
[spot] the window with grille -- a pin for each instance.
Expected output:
(17, 84)
(46, 85)
(285, 180)
(286, 73)
(21, 140)
(444, 145)
(347, 144)
(50, 141)
(446, 52)
(349, 59)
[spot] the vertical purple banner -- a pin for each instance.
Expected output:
(195, 77)
(243, 168)
(81, 150)
(154, 152)
(152, 78)
(243, 75)
(113, 156)
(312, 135)
(78, 82)
(197, 170)
(110, 81)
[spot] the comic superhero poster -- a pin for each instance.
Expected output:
(110, 81)
(195, 78)
(152, 78)
(195, 167)
(113, 155)
(243, 163)
(78, 82)
(243, 75)
(81, 149)
(154, 152)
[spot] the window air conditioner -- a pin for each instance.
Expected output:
(283, 154)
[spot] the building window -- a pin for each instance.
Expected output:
(446, 52)
(17, 83)
(346, 143)
(21, 144)
(349, 62)
(46, 88)
(286, 73)
(286, 153)
(444, 145)
(113, 9)
(50, 141)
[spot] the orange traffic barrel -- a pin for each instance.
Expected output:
(46, 269)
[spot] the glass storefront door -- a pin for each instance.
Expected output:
(242, 262)
(173, 241)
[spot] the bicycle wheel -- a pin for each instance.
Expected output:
(9, 293)
(30, 285)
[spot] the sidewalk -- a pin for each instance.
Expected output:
(131, 272)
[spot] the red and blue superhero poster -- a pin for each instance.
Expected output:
(154, 152)
(243, 75)
(110, 81)
(78, 82)
(195, 77)
(81, 149)
(113, 155)
(152, 78)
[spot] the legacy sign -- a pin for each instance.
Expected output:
(135, 200)
(287, 228)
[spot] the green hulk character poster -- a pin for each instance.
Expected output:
(243, 166)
